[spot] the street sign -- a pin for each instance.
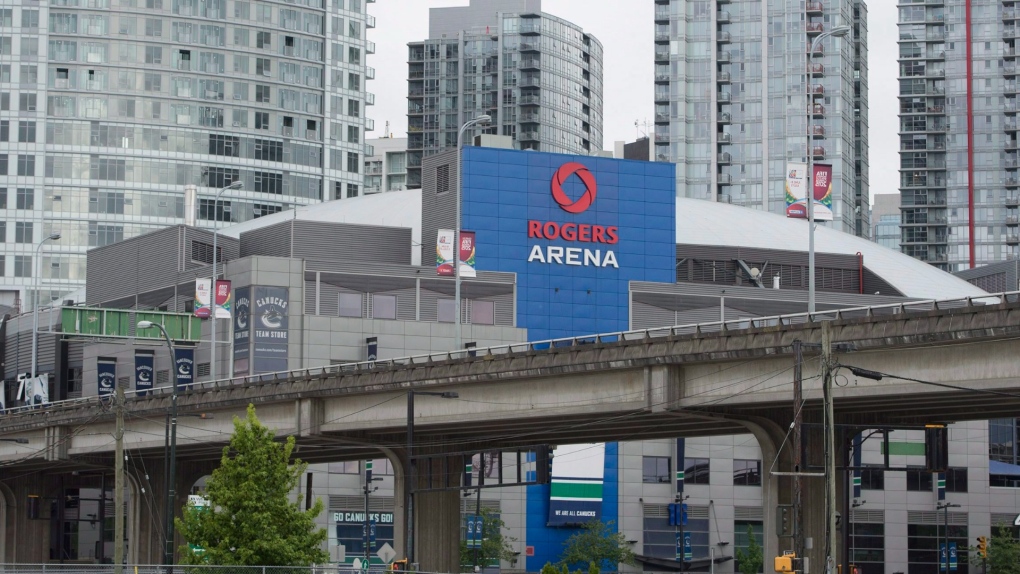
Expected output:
(386, 553)
(952, 556)
(688, 552)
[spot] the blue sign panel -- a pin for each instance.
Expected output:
(270, 329)
(242, 331)
(942, 557)
(575, 229)
(144, 362)
(952, 556)
(679, 546)
(106, 368)
(184, 365)
(688, 551)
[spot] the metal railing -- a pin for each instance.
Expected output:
(550, 346)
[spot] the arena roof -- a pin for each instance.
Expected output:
(699, 222)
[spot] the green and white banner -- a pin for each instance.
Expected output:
(575, 492)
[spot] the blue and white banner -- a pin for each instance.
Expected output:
(144, 369)
(575, 492)
(270, 329)
(106, 371)
(184, 365)
(242, 331)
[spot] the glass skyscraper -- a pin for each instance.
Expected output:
(109, 108)
(958, 178)
(732, 105)
(538, 76)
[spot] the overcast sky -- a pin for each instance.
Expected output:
(626, 36)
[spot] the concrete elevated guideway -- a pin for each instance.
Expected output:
(681, 381)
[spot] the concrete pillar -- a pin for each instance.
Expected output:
(775, 490)
(436, 513)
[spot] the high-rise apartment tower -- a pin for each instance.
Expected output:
(959, 182)
(539, 77)
(732, 105)
(109, 108)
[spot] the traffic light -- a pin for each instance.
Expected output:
(784, 563)
(982, 547)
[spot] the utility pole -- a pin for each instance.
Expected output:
(798, 446)
(118, 484)
(830, 450)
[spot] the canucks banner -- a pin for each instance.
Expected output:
(144, 363)
(106, 373)
(575, 492)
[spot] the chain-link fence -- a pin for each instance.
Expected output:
(181, 569)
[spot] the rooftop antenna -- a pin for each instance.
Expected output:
(386, 132)
(641, 124)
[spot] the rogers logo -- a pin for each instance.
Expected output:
(584, 202)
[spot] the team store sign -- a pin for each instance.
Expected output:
(574, 232)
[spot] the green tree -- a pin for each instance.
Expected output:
(250, 519)
(751, 561)
(495, 545)
(597, 543)
(1003, 552)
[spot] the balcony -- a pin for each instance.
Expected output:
(1012, 239)
(725, 157)
(817, 110)
(725, 118)
(818, 152)
(661, 13)
(816, 69)
(659, 118)
(723, 97)
(661, 78)
(813, 28)
(725, 138)
(817, 131)
(530, 100)
(1009, 126)
(1012, 182)
(723, 77)
(1012, 200)
(661, 95)
(529, 47)
(531, 26)
(662, 37)
(722, 17)
(661, 138)
(817, 90)
(529, 117)
(723, 37)
(662, 55)
(725, 179)
(528, 136)
(531, 63)
(1012, 220)
(813, 7)
(723, 56)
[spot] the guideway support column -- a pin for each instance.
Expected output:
(437, 516)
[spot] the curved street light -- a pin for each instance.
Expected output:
(35, 301)
(235, 185)
(482, 120)
(171, 476)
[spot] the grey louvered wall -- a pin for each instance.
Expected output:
(272, 240)
(349, 242)
(437, 210)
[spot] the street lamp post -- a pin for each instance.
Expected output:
(482, 120)
(945, 506)
(216, 227)
(410, 478)
(35, 302)
(838, 32)
(171, 478)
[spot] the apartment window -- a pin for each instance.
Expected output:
(696, 471)
(100, 234)
(956, 480)
(153, 28)
(3, 198)
(350, 305)
(26, 198)
(353, 162)
(268, 182)
(655, 469)
(106, 202)
(26, 132)
(28, 74)
(220, 177)
(29, 18)
(3, 164)
(3, 232)
(153, 55)
(209, 212)
(22, 266)
(872, 479)
(153, 82)
(262, 93)
(919, 480)
(384, 307)
(483, 313)
(353, 82)
(746, 472)
(354, 55)
(263, 40)
(26, 102)
(224, 145)
(263, 67)
(353, 134)
(352, 190)
(26, 165)
(5, 130)
(262, 120)
(353, 108)
(23, 232)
